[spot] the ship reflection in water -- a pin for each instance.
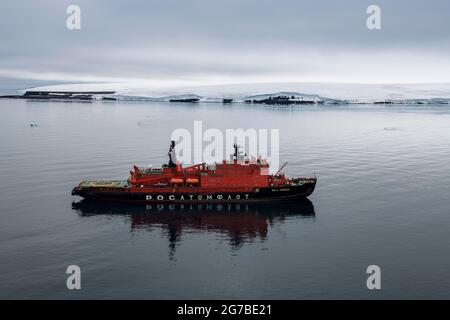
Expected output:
(237, 222)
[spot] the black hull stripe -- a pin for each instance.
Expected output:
(263, 194)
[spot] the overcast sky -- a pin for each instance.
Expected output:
(230, 41)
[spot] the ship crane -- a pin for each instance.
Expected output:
(284, 165)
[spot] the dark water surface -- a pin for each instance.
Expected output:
(383, 198)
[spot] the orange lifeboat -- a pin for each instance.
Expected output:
(191, 181)
(176, 181)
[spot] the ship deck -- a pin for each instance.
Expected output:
(104, 183)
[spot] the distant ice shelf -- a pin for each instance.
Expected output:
(259, 93)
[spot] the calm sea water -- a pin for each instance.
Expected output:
(383, 198)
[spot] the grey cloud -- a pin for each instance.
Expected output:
(182, 38)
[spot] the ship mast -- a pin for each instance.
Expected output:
(171, 154)
(235, 155)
